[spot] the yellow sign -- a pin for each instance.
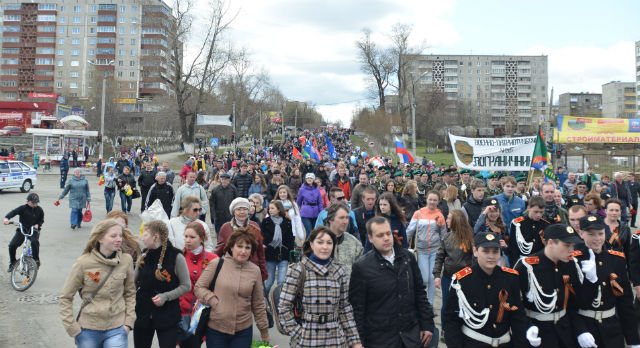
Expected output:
(596, 130)
(125, 100)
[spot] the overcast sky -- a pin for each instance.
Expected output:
(308, 48)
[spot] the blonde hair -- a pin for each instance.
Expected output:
(158, 228)
(98, 232)
(127, 236)
(452, 193)
(187, 202)
(410, 188)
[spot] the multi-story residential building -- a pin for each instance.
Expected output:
(507, 93)
(65, 46)
(580, 104)
(619, 99)
(638, 77)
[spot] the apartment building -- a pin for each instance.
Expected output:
(66, 46)
(619, 99)
(507, 93)
(580, 104)
(638, 77)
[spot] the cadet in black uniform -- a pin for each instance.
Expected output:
(491, 298)
(605, 302)
(526, 233)
(548, 282)
(578, 197)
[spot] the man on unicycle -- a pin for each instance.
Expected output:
(31, 214)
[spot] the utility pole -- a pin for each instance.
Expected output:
(104, 93)
(295, 121)
(260, 118)
(282, 115)
(233, 126)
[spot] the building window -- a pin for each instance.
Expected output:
(61, 30)
(61, 63)
(77, 20)
(123, 8)
(46, 29)
(93, 8)
(120, 63)
(122, 19)
(121, 52)
(107, 29)
(75, 52)
(62, 8)
(119, 85)
(73, 85)
(76, 30)
(132, 63)
(44, 61)
(74, 74)
(131, 95)
(92, 30)
(59, 85)
(119, 73)
(133, 41)
(130, 84)
(47, 7)
(75, 63)
(133, 30)
(62, 20)
(91, 52)
(121, 30)
(92, 41)
(76, 9)
(132, 74)
(134, 9)
(121, 41)
(75, 41)
(61, 52)
(133, 52)
(93, 19)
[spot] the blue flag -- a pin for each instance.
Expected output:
(310, 151)
(331, 149)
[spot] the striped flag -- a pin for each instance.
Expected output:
(403, 154)
(376, 162)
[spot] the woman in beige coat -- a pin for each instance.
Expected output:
(106, 316)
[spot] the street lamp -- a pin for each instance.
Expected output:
(413, 113)
(104, 88)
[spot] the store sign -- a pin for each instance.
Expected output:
(588, 130)
(43, 95)
(125, 100)
(10, 116)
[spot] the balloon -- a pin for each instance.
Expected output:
(353, 159)
(364, 154)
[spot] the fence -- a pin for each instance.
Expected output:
(607, 162)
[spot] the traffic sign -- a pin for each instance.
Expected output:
(372, 144)
(365, 139)
(214, 141)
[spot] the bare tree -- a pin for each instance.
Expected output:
(377, 63)
(194, 80)
(403, 55)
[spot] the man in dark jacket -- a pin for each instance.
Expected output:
(64, 170)
(122, 162)
(634, 189)
(146, 179)
(220, 200)
(473, 207)
(30, 215)
(388, 296)
(160, 190)
(242, 181)
(620, 190)
(366, 211)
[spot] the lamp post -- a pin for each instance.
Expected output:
(413, 113)
(104, 90)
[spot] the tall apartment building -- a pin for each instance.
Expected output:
(64, 47)
(580, 104)
(638, 77)
(507, 93)
(619, 99)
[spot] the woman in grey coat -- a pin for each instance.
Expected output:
(79, 196)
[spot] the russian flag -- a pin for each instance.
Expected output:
(402, 152)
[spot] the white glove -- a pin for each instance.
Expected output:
(586, 340)
(532, 336)
(635, 346)
(589, 267)
(463, 187)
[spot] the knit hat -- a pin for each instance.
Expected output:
(189, 162)
(309, 175)
(238, 203)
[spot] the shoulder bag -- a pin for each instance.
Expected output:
(90, 298)
(205, 313)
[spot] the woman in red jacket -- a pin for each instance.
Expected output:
(197, 259)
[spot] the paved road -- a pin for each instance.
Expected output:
(34, 319)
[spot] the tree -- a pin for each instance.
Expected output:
(377, 63)
(375, 123)
(193, 81)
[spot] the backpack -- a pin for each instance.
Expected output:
(297, 301)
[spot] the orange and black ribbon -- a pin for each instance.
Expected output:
(95, 277)
(167, 275)
(567, 288)
(541, 234)
(614, 237)
(397, 237)
(615, 287)
(504, 305)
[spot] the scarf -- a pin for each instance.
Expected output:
(550, 211)
(315, 259)
(187, 220)
(286, 204)
(235, 224)
(197, 250)
(277, 232)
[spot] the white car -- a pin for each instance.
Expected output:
(17, 174)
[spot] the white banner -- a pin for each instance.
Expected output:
(493, 153)
(213, 120)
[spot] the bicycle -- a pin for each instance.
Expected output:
(25, 269)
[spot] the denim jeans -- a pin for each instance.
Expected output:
(137, 171)
(76, 216)
(281, 266)
(308, 224)
(97, 338)
(445, 284)
(426, 261)
(108, 198)
(125, 202)
(241, 339)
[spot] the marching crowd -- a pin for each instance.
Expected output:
(339, 252)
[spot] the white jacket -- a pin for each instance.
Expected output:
(176, 228)
(296, 224)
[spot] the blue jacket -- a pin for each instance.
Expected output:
(78, 189)
(64, 164)
(511, 209)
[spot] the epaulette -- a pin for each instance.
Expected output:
(617, 253)
(463, 273)
(518, 219)
(510, 270)
(532, 260)
(577, 253)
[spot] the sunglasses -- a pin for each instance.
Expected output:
(340, 198)
(196, 209)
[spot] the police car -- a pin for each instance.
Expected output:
(16, 174)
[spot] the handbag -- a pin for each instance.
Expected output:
(90, 298)
(135, 194)
(87, 216)
(185, 320)
(203, 312)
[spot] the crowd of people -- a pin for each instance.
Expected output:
(356, 250)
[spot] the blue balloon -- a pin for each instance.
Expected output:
(364, 154)
(354, 159)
